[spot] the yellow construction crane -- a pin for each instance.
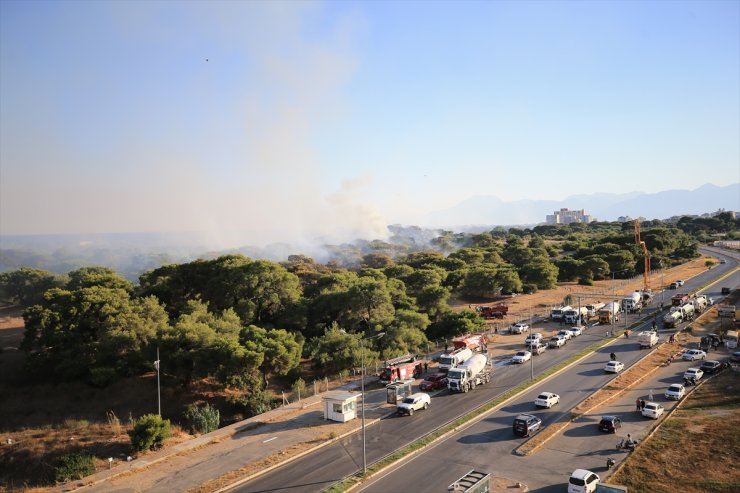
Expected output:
(646, 254)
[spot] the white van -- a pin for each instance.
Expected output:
(583, 481)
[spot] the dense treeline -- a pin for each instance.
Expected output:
(242, 320)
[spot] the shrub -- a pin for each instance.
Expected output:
(74, 466)
(529, 288)
(102, 377)
(202, 419)
(250, 404)
(585, 281)
(149, 433)
(299, 387)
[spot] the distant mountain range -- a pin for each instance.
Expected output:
(490, 210)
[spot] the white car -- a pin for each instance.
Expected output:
(565, 333)
(557, 341)
(614, 367)
(575, 331)
(679, 282)
(546, 399)
(694, 373)
(521, 357)
(693, 354)
(652, 410)
(675, 392)
(413, 402)
(533, 338)
(519, 328)
(583, 481)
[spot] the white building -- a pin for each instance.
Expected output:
(567, 216)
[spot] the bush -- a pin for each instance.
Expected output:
(202, 419)
(585, 281)
(102, 377)
(250, 404)
(74, 466)
(149, 433)
(529, 288)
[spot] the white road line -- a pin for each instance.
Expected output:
(269, 440)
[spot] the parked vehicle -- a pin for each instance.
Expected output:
(475, 342)
(610, 313)
(687, 311)
(470, 374)
(526, 425)
(652, 410)
(434, 382)
(546, 399)
(537, 348)
(700, 303)
(679, 299)
(680, 282)
(693, 374)
(565, 333)
(401, 368)
(454, 359)
(521, 357)
(519, 328)
(498, 311)
(592, 309)
(575, 331)
(473, 482)
(673, 285)
(710, 367)
(613, 367)
(533, 338)
(610, 424)
(633, 302)
(413, 402)
(731, 339)
(557, 341)
(726, 290)
(671, 319)
(675, 392)
(575, 315)
(583, 481)
(647, 339)
(693, 354)
(557, 313)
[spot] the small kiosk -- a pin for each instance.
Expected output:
(340, 406)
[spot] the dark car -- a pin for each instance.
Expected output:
(526, 424)
(725, 290)
(711, 366)
(434, 382)
(610, 424)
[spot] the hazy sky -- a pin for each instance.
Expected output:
(287, 120)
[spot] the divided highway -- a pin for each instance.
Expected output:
(487, 444)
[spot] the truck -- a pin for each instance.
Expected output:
(558, 312)
(731, 339)
(633, 302)
(453, 359)
(687, 310)
(592, 309)
(401, 368)
(672, 318)
(575, 316)
(498, 311)
(700, 303)
(610, 313)
(647, 339)
(470, 374)
(476, 342)
(679, 299)
(473, 482)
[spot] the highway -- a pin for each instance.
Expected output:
(484, 443)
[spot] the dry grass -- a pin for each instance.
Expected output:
(698, 445)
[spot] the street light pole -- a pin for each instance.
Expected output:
(159, 398)
(362, 387)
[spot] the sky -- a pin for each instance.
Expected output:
(255, 122)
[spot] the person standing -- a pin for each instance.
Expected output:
(650, 395)
(637, 404)
(642, 404)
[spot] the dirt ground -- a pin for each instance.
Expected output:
(45, 419)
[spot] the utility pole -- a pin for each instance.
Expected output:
(159, 398)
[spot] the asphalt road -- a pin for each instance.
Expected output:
(477, 445)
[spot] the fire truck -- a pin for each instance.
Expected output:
(475, 342)
(401, 368)
(498, 311)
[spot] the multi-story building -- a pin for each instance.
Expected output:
(567, 216)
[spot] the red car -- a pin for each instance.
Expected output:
(434, 382)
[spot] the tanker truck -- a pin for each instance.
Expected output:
(454, 359)
(610, 313)
(672, 318)
(633, 302)
(575, 316)
(470, 374)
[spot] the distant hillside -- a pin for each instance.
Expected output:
(490, 210)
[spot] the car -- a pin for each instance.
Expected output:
(673, 285)
(711, 366)
(723, 261)
(519, 328)
(546, 399)
(613, 367)
(413, 402)
(565, 333)
(610, 424)
(537, 348)
(735, 358)
(521, 357)
(526, 424)
(533, 338)
(693, 354)
(675, 392)
(583, 481)
(679, 282)
(726, 290)
(694, 373)
(710, 301)
(434, 382)
(575, 331)
(652, 410)
(557, 341)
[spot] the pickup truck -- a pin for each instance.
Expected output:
(557, 341)
(414, 402)
(537, 348)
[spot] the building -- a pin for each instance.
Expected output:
(567, 216)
